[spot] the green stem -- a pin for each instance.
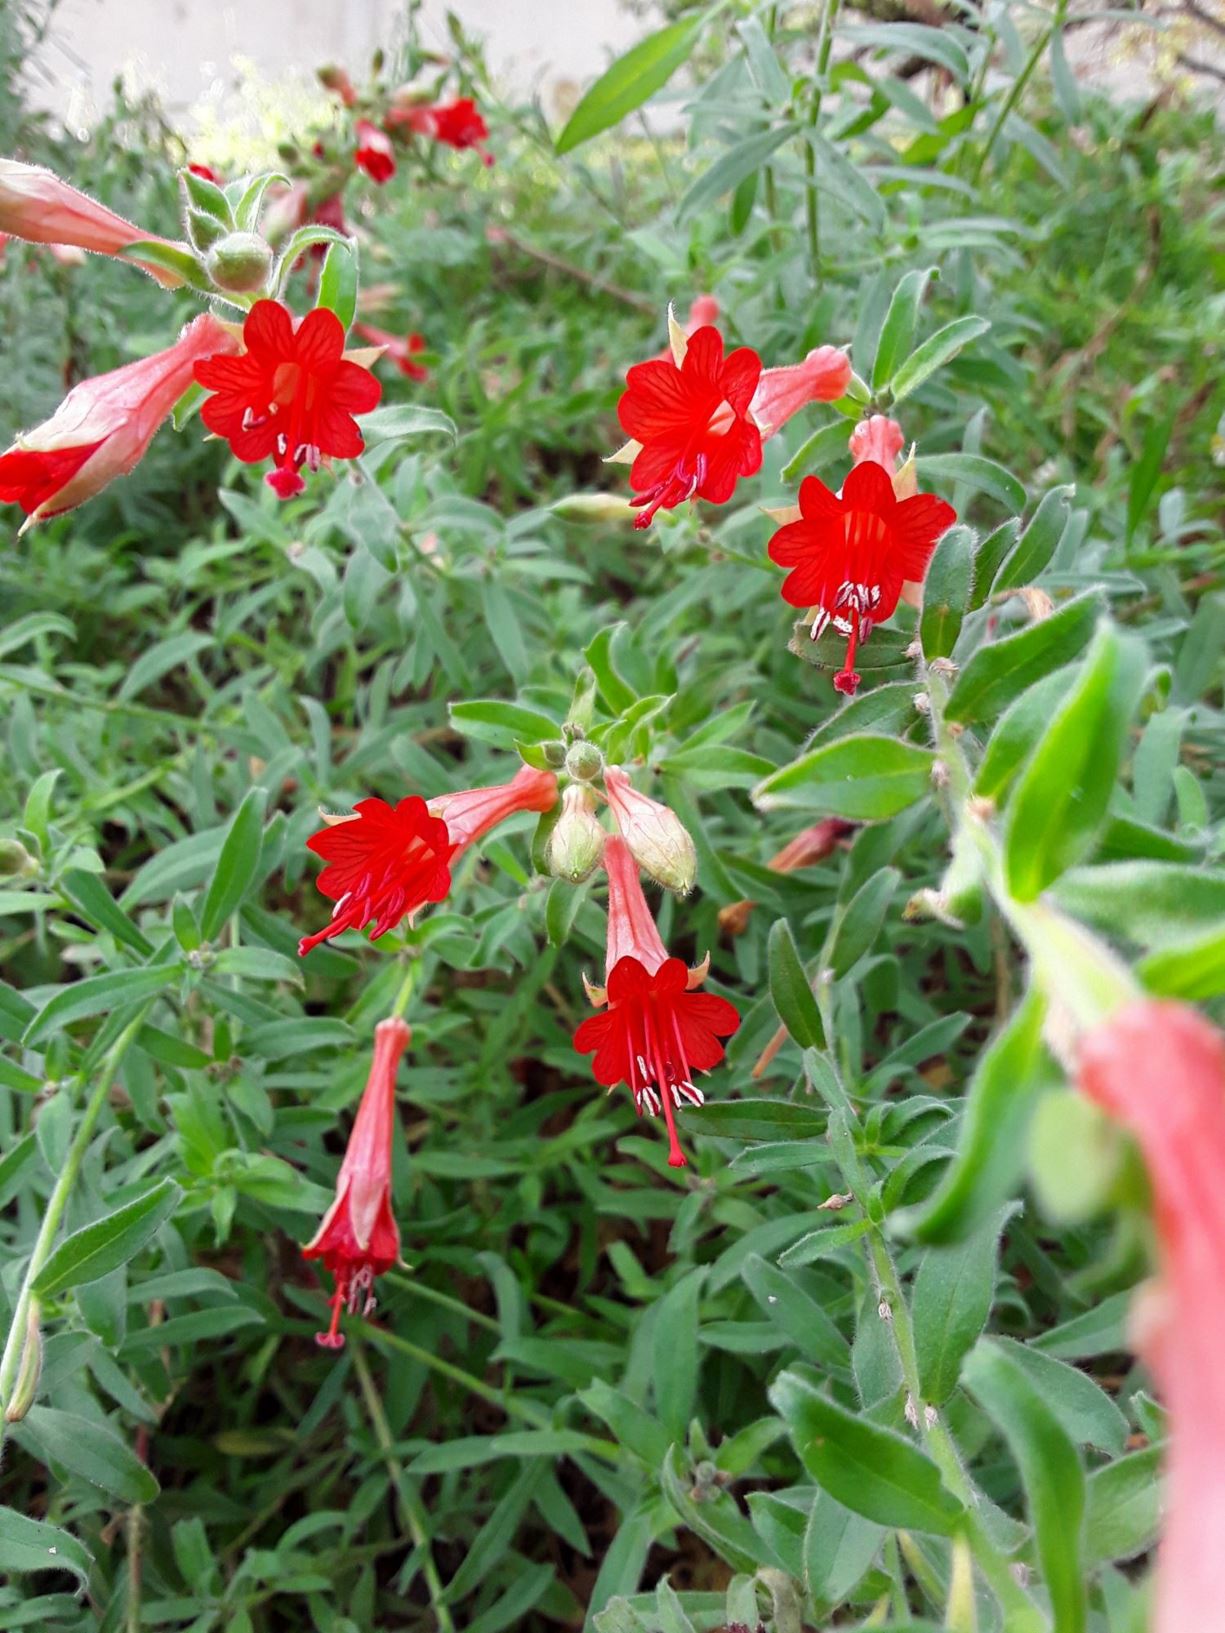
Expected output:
(410, 1503)
(10, 1362)
(1017, 87)
(812, 207)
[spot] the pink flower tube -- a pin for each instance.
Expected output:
(40, 208)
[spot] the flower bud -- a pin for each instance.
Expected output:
(584, 761)
(594, 507)
(16, 861)
(25, 1388)
(239, 263)
(658, 840)
(554, 754)
(577, 841)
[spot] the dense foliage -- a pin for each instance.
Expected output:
(604, 1392)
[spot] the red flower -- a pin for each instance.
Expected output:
(812, 844)
(398, 349)
(291, 395)
(205, 173)
(822, 377)
(1160, 1069)
(880, 439)
(657, 838)
(337, 81)
(35, 205)
(693, 423)
(458, 124)
(104, 425)
(385, 863)
(655, 1030)
(375, 154)
(358, 1238)
(850, 554)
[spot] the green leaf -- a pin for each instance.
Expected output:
(109, 1242)
(999, 672)
(1017, 733)
(1194, 969)
(785, 1302)
(1050, 1472)
(991, 553)
(32, 1545)
(846, 180)
(758, 1119)
(974, 472)
(1033, 550)
(1150, 903)
(716, 1519)
(1099, 1331)
(1010, 1078)
(1061, 798)
(744, 159)
(632, 80)
(1124, 1507)
(676, 1355)
(946, 592)
(236, 866)
(398, 421)
(869, 1469)
(88, 892)
(502, 723)
(338, 282)
(161, 658)
(897, 331)
(30, 628)
(953, 1293)
(91, 1450)
(175, 259)
(839, 1548)
(100, 995)
(790, 991)
(859, 921)
(935, 352)
(888, 649)
(205, 195)
(817, 452)
(1085, 1410)
(915, 40)
(866, 778)
(885, 711)
(636, 1429)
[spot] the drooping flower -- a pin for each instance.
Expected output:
(850, 554)
(822, 377)
(104, 425)
(810, 845)
(386, 862)
(358, 1238)
(657, 838)
(35, 205)
(1159, 1067)
(291, 396)
(653, 1031)
(374, 153)
(690, 420)
(398, 349)
(458, 124)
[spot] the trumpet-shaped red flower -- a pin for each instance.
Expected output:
(822, 377)
(290, 397)
(386, 862)
(358, 1238)
(374, 153)
(654, 1030)
(104, 425)
(692, 421)
(398, 349)
(457, 124)
(1160, 1069)
(851, 554)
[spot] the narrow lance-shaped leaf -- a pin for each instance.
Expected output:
(632, 80)
(97, 1249)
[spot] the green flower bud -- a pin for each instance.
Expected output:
(577, 841)
(554, 754)
(594, 507)
(584, 761)
(240, 263)
(16, 861)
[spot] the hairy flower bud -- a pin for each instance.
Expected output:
(239, 262)
(16, 861)
(584, 761)
(593, 507)
(658, 840)
(577, 841)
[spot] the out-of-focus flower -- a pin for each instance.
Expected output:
(654, 1031)
(690, 424)
(104, 425)
(35, 205)
(658, 839)
(358, 1238)
(850, 554)
(374, 153)
(206, 173)
(336, 80)
(1159, 1068)
(822, 377)
(386, 862)
(457, 124)
(397, 349)
(811, 845)
(290, 397)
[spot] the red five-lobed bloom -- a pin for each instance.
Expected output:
(291, 396)
(692, 422)
(1159, 1068)
(386, 862)
(374, 153)
(850, 554)
(654, 1031)
(458, 124)
(358, 1238)
(397, 349)
(104, 425)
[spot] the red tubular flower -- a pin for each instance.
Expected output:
(398, 349)
(657, 838)
(457, 124)
(37, 206)
(879, 439)
(374, 154)
(1160, 1069)
(654, 1031)
(812, 844)
(386, 862)
(291, 395)
(104, 425)
(851, 553)
(358, 1238)
(822, 377)
(693, 423)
